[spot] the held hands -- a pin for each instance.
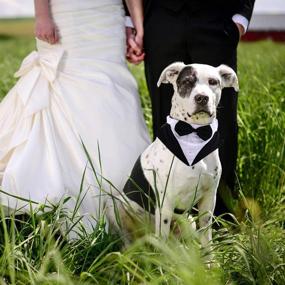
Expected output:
(135, 53)
(46, 30)
(134, 40)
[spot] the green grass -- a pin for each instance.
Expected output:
(249, 252)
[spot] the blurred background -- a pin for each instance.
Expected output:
(16, 8)
(268, 20)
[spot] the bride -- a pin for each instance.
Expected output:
(75, 99)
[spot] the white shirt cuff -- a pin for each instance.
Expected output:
(239, 19)
(129, 22)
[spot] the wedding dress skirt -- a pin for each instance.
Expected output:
(75, 94)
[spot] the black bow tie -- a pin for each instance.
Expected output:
(183, 128)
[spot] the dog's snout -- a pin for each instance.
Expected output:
(201, 99)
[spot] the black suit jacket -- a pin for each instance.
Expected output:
(225, 7)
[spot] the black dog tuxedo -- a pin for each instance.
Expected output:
(174, 135)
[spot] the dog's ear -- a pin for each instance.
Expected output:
(170, 73)
(229, 77)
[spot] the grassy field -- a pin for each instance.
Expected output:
(16, 28)
(252, 251)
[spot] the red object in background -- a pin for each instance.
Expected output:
(278, 36)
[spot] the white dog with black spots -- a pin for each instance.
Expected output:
(181, 168)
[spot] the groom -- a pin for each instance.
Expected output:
(195, 31)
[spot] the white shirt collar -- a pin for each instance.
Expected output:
(191, 144)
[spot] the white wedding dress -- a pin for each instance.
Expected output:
(79, 90)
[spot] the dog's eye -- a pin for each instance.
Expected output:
(213, 81)
(188, 81)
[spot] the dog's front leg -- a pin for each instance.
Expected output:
(206, 208)
(163, 217)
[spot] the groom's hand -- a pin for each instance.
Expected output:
(134, 40)
(240, 29)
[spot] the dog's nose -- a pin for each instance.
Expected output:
(201, 99)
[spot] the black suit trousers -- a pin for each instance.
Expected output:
(199, 36)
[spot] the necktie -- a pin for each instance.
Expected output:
(183, 129)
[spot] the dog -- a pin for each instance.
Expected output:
(181, 168)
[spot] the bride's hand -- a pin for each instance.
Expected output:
(46, 30)
(135, 52)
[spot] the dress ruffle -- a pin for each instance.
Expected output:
(29, 125)
(36, 74)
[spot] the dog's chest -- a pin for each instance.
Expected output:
(185, 185)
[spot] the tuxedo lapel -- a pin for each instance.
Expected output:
(212, 145)
(168, 139)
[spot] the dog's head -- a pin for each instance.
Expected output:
(197, 90)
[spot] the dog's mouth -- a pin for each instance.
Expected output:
(201, 117)
(203, 113)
